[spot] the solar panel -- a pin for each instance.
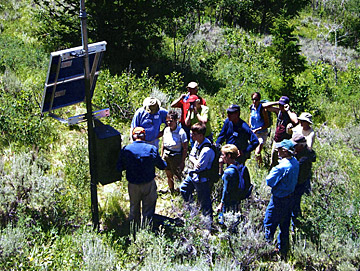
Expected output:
(65, 84)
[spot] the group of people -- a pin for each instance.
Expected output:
(291, 156)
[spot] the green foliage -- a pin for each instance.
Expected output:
(27, 190)
(13, 244)
(344, 17)
(285, 49)
(256, 15)
(58, 24)
(334, 199)
(123, 93)
(19, 97)
(45, 191)
(96, 254)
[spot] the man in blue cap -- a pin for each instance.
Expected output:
(282, 179)
(236, 131)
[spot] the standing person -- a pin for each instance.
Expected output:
(201, 157)
(305, 128)
(174, 149)
(282, 179)
(150, 116)
(259, 123)
(306, 157)
(182, 102)
(198, 113)
(236, 131)
(285, 120)
(139, 159)
(231, 195)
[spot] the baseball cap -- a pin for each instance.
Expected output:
(192, 85)
(138, 131)
(285, 144)
(233, 108)
(284, 100)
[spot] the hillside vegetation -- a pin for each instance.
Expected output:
(306, 50)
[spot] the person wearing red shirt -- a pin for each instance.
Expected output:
(183, 103)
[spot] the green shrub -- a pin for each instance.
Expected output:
(14, 246)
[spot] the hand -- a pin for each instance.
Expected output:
(287, 107)
(183, 96)
(219, 208)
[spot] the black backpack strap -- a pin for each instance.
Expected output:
(198, 151)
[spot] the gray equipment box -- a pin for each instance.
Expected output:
(108, 146)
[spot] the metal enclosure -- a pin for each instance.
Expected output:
(108, 146)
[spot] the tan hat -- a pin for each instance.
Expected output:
(138, 131)
(192, 85)
(151, 104)
(306, 117)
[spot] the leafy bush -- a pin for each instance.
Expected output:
(28, 190)
(96, 254)
(13, 245)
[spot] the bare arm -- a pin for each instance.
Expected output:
(188, 117)
(266, 119)
(292, 115)
(202, 118)
(269, 104)
(176, 103)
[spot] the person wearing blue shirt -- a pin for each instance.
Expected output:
(282, 179)
(201, 158)
(231, 196)
(139, 159)
(259, 123)
(150, 117)
(236, 131)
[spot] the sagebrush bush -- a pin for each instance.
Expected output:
(13, 243)
(96, 254)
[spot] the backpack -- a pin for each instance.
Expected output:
(213, 172)
(244, 187)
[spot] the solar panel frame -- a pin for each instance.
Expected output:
(65, 80)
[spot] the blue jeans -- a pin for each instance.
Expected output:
(187, 188)
(300, 189)
(278, 213)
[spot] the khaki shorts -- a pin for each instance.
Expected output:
(173, 163)
(262, 137)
